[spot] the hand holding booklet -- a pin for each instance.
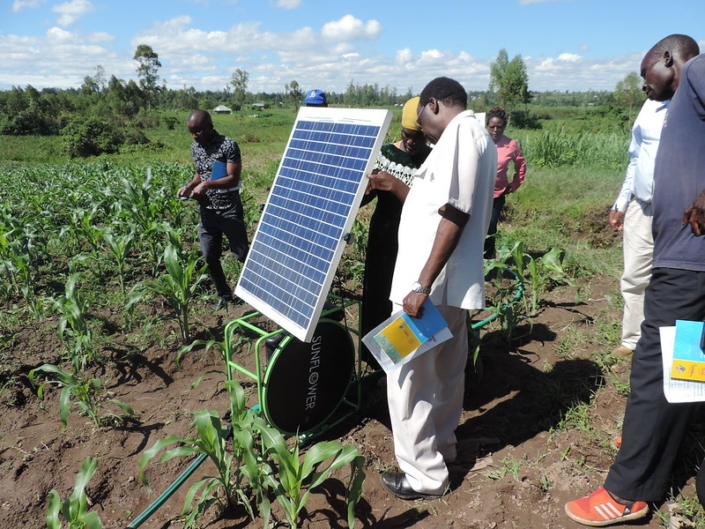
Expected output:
(679, 344)
(400, 338)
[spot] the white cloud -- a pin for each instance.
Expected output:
(321, 54)
(18, 5)
(327, 57)
(351, 28)
(193, 63)
(569, 57)
(59, 58)
(100, 36)
(59, 36)
(404, 56)
(572, 72)
(430, 57)
(173, 37)
(71, 11)
(584, 48)
(288, 4)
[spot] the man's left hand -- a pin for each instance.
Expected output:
(413, 302)
(695, 215)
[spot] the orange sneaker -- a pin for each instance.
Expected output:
(601, 509)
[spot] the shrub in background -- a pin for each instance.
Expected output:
(90, 137)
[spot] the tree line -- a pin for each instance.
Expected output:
(104, 113)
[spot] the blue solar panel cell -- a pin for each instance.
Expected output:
(311, 207)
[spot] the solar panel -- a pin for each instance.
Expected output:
(310, 210)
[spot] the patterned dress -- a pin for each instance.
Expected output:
(382, 239)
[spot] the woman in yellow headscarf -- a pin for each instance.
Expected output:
(396, 160)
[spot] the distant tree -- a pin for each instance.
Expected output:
(28, 112)
(187, 99)
(147, 68)
(294, 93)
(89, 86)
(125, 99)
(509, 81)
(629, 93)
(206, 104)
(239, 81)
(350, 98)
(99, 77)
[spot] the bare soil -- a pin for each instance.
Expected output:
(523, 449)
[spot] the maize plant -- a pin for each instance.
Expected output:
(73, 325)
(74, 509)
(87, 395)
(241, 474)
(179, 285)
(120, 247)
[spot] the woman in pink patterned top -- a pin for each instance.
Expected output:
(508, 151)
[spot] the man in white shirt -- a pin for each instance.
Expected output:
(632, 214)
(441, 237)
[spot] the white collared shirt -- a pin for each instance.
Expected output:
(646, 134)
(460, 171)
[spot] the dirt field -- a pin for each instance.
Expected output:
(524, 450)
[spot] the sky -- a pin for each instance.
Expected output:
(566, 45)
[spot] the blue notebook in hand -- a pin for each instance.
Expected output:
(219, 171)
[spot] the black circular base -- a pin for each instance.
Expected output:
(305, 382)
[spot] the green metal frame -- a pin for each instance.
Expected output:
(351, 402)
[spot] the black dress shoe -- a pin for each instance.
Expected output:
(398, 484)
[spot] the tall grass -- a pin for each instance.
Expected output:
(560, 148)
(566, 207)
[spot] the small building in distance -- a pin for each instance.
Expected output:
(260, 106)
(222, 109)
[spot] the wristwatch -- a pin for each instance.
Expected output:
(416, 287)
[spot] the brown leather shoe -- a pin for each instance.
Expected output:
(622, 350)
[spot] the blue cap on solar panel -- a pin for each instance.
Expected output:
(315, 97)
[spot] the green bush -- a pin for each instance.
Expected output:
(29, 121)
(134, 136)
(524, 119)
(90, 137)
(170, 122)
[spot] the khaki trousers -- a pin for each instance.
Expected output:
(638, 246)
(425, 399)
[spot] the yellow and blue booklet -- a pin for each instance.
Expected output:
(688, 354)
(401, 337)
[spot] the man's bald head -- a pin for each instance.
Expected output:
(200, 117)
(200, 125)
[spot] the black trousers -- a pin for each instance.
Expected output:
(214, 224)
(382, 247)
(653, 428)
(490, 241)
